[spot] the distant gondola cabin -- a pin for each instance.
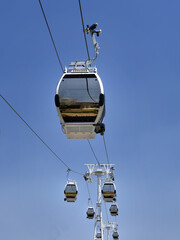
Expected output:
(113, 209)
(109, 191)
(90, 212)
(70, 191)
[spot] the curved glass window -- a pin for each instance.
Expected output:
(113, 207)
(79, 97)
(115, 235)
(90, 210)
(70, 188)
(108, 188)
(98, 235)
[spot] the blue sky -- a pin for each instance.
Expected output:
(139, 65)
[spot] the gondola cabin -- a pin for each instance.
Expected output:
(109, 191)
(90, 213)
(98, 235)
(113, 209)
(80, 103)
(70, 191)
(115, 235)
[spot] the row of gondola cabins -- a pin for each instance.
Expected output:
(108, 193)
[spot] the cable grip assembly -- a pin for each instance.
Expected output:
(92, 31)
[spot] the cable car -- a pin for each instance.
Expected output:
(109, 191)
(90, 212)
(80, 103)
(98, 235)
(115, 235)
(70, 191)
(113, 209)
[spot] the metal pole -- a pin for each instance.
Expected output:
(98, 222)
(99, 171)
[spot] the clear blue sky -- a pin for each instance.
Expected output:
(139, 65)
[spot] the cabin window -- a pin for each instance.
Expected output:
(79, 98)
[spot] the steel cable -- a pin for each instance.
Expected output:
(39, 136)
(106, 212)
(106, 149)
(89, 192)
(93, 152)
(51, 35)
(84, 29)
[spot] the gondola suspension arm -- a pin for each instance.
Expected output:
(92, 31)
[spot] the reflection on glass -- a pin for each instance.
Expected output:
(70, 189)
(79, 98)
(108, 188)
(113, 207)
(91, 210)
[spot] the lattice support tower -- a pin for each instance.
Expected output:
(99, 170)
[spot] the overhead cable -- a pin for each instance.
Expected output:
(58, 54)
(84, 29)
(89, 192)
(106, 149)
(106, 212)
(50, 35)
(32, 130)
(93, 152)
(87, 85)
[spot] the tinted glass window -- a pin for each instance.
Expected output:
(84, 89)
(108, 188)
(113, 207)
(79, 98)
(70, 188)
